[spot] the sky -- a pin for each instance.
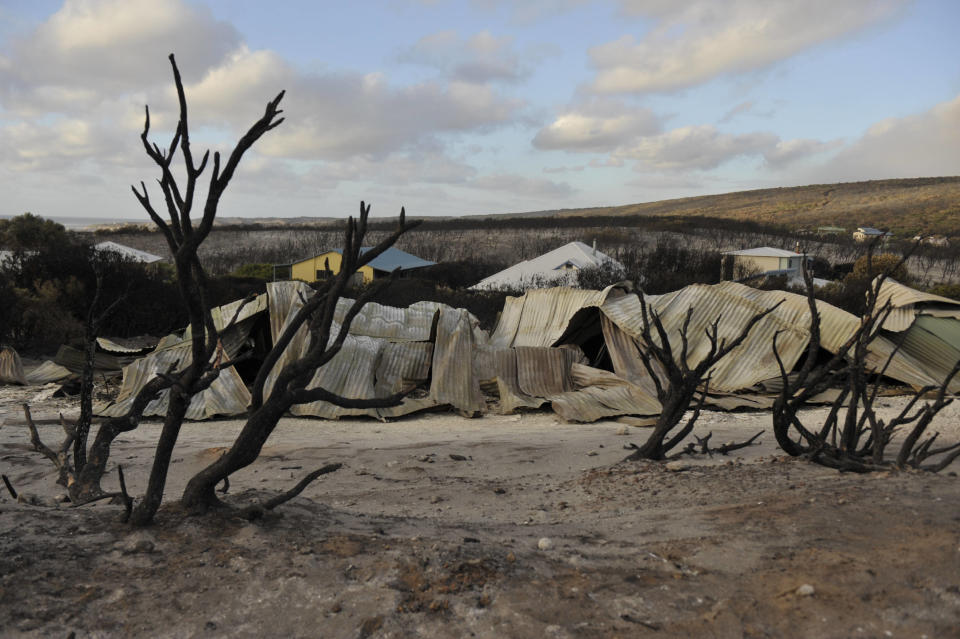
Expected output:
(457, 107)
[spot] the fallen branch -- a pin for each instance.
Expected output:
(257, 511)
(6, 482)
(702, 446)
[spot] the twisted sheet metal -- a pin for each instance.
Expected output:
(542, 372)
(508, 385)
(226, 396)
(454, 381)
(411, 324)
(935, 341)
(602, 394)
(11, 368)
(350, 373)
(541, 316)
(899, 295)
(47, 372)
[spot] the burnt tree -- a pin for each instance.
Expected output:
(853, 437)
(675, 381)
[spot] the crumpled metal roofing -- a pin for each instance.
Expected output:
(906, 303)
(541, 316)
(411, 324)
(602, 394)
(47, 372)
(226, 396)
(453, 380)
(11, 368)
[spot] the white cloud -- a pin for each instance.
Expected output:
(75, 87)
(744, 107)
(922, 145)
(694, 41)
(117, 45)
(700, 147)
(601, 125)
(481, 58)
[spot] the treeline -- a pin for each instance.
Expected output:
(49, 278)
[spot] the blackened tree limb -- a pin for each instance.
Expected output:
(257, 511)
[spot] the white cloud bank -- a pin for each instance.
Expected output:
(694, 41)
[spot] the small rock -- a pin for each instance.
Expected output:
(62, 498)
(592, 453)
(676, 466)
(393, 464)
(436, 499)
(623, 430)
(137, 543)
(545, 543)
(511, 557)
(806, 590)
(336, 607)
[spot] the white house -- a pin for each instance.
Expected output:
(128, 252)
(559, 267)
(865, 234)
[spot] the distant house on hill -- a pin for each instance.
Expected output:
(764, 259)
(327, 264)
(559, 267)
(128, 252)
(866, 234)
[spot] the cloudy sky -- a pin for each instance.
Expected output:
(456, 107)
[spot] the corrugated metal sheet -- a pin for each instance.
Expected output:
(11, 368)
(625, 356)
(901, 295)
(350, 373)
(935, 341)
(47, 372)
(508, 386)
(223, 314)
(226, 396)
(602, 394)
(453, 380)
(285, 299)
(542, 372)
(542, 316)
(111, 346)
(411, 324)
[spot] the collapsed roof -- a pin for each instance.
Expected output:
(576, 350)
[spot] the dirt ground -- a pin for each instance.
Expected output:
(536, 528)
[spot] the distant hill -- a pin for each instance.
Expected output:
(904, 206)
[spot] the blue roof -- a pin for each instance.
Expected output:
(394, 258)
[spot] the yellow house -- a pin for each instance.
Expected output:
(327, 265)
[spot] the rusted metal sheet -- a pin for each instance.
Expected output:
(11, 368)
(453, 380)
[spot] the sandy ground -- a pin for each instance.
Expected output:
(538, 529)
